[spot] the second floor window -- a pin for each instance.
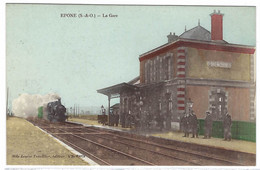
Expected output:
(158, 69)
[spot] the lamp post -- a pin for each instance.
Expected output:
(102, 110)
(168, 115)
(140, 113)
(189, 105)
(109, 98)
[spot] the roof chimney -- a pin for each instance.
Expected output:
(216, 25)
(172, 37)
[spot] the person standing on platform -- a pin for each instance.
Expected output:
(129, 119)
(186, 125)
(116, 118)
(208, 125)
(112, 119)
(227, 123)
(189, 124)
(182, 124)
(160, 121)
(188, 117)
(194, 125)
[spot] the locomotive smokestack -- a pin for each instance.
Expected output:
(59, 100)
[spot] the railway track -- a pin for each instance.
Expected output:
(108, 147)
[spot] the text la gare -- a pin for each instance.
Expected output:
(109, 15)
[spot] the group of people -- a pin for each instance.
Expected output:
(189, 124)
(114, 119)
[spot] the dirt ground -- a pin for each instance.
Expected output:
(86, 121)
(27, 145)
(94, 123)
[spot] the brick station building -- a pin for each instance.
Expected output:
(198, 65)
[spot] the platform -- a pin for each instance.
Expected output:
(236, 145)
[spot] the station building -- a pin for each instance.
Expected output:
(198, 65)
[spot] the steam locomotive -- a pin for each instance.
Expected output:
(53, 112)
(56, 111)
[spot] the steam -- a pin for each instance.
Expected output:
(27, 105)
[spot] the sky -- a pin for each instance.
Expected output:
(75, 56)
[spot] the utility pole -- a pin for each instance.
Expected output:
(77, 106)
(78, 110)
(7, 95)
(74, 111)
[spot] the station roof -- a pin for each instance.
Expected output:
(199, 44)
(134, 81)
(115, 90)
(115, 106)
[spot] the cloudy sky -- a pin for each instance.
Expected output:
(75, 56)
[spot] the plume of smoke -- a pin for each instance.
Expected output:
(27, 105)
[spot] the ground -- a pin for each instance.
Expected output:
(27, 145)
(86, 121)
(92, 122)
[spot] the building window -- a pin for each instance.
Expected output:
(151, 71)
(158, 69)
(217, 103)
(161, 73)
(154, 70)
(169, 68)
(146, 70)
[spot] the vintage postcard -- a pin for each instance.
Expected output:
(130, 85)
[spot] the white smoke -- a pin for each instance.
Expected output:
(27, 105)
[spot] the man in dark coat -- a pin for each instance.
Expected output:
(194, 124)
(182, 124)
(208, 125)
(116, 118)
(111, 119)
(227, 126)
(160, 120)
(186, 125)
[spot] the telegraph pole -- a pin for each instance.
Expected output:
(74, 110)
(7, 95)
(78, 110)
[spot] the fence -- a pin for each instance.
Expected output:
(240, 130)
